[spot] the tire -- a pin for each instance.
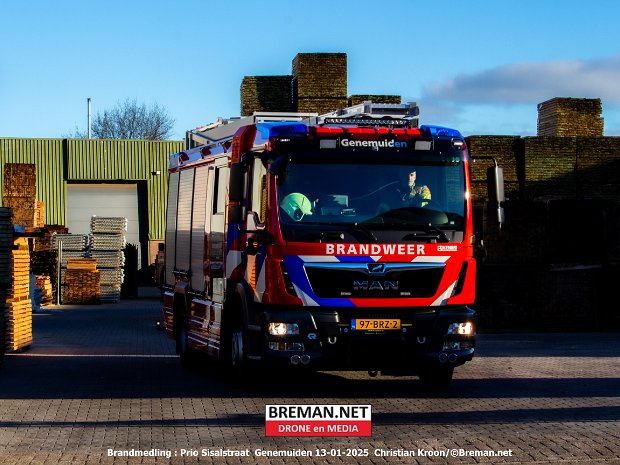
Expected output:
(181, 340)
(436, 377)
(237, 350)
(234, 341)
(234, 360)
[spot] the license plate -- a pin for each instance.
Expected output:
(375, 324)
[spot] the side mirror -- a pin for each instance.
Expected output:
(278, 166)
(236, 214)
(237, 189)
(495, 185)
(260, 238)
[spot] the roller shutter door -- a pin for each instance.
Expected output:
(86, 200)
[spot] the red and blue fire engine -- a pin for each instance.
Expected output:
(334, 242)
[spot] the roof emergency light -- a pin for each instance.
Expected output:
(440, 131)
(286, 129)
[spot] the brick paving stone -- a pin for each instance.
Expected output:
(100, 378)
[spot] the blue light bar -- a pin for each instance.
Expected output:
(440, 131)
(281, 129)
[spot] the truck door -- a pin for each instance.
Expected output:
(215, 240)
(256, 220)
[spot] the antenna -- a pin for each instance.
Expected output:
(88, 102)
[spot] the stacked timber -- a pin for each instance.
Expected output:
(44, 283)
(39, 215)
(3, 316)
(73, 246)
(570, 117)
(81, 285)
(18, 328)
(266, 93)
(19, 192)
(319, 82)
(357, 99)
(108, 239)
(44, 264)
(45, 243)
(6, 245)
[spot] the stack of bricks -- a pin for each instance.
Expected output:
(19, 193)
(570, 117)
(266, 93)
(18, 330)
(81, 285)
(319, 82)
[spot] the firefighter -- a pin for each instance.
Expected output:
(296, 205)
(418, 195)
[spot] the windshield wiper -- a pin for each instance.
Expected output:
(323, 236)
(335, 233)
(363, 229)
(431, 233)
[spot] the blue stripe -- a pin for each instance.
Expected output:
(295, 267)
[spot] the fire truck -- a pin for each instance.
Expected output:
(300, 240)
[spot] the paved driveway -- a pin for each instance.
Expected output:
(102, 385)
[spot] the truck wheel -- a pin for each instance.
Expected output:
(237, 350)
(181, 340)
(436, 377)
(234, 360)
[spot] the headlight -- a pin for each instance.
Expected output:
(282, 329)
(462, 329)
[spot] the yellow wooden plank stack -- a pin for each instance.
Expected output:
(18, 329)
(39, 220)
(82, 282)
(44, 283)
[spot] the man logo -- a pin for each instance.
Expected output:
(376, 268)
(375, 285)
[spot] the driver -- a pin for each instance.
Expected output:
(296, 205)
(419, 194)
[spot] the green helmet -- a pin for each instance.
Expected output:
(296, 205)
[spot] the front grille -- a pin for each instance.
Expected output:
(356, 281)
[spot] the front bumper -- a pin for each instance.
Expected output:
(326, 339)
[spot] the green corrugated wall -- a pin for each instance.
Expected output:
(94, 160)
(126, 160)
(47, 155)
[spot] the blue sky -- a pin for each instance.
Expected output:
(479, 66)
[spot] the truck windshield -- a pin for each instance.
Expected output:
(370, 202)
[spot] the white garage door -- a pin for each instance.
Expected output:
(86, 200)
